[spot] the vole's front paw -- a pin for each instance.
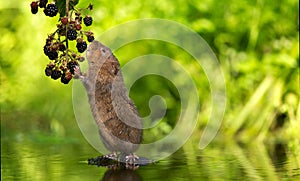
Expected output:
(77, 73)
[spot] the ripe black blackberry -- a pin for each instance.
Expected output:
(52, 55)
(90, 38)
(88, 20)
(71, 65)
(51, 10)
(81, 46)
(61, 47)
(56, 74)
(46, 50)
(62, 31)
(49, 40)
(71, 34)
(43, 3)
(66, 77)
(34, 7)
(48, 71)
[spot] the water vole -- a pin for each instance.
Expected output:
(118, 120)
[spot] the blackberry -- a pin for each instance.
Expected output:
(71, 34)
(73, 55)
(88, 20)
(56, 74)
(81, 46)
(78, 26)
(48, 71)
(71, 65)
(49, 40)
(66, 77)
(61, 47)
(62, 31)
(43, 3)
(64, 20)
(46, 50)
(51, 10)
(34, 7)
(52, 55)
(80, 59)
(90, 38)
(64, 80)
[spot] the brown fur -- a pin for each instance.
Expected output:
(119, 123)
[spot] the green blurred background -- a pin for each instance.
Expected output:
(256, 42)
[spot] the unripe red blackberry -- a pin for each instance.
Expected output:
(78, 26)
(43, 3)
(71, 34)
(51, 10)
(71, 65)
(64, 20)
(73, 55)
(56, 74)
(88, 20)
(81, 46)
(80, 59)
(34, 7)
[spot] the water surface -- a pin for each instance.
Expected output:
(32, 159)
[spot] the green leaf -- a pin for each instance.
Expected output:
(74, 2)
(61, 4)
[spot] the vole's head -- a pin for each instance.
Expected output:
(97, 53)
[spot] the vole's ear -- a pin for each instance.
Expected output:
(105, 51)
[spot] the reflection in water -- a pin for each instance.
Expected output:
(31, 160)
(279, 157)
(119, 161)
(121, 174)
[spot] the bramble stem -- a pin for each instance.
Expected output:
(67, 13)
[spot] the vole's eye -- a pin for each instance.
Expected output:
(103, 50)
